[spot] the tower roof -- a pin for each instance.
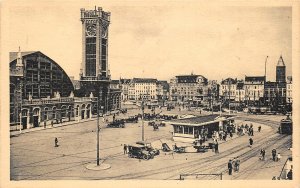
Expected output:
(280, 62)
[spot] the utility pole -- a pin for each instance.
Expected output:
(265, 78)
(143, 119)
(229, 95)
(98, 131)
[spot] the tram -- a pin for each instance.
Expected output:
(286, 126)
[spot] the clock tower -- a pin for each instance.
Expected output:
(94, 72)
(95, 25)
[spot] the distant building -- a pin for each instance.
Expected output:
(163, 90)
(143, 89)
(240, 92)
(254, 89)
(275, 93)
(280, 71)
(124, 85)
(228, 88)
(192, 88)
(289, 89)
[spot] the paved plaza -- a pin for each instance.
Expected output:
(33, 155)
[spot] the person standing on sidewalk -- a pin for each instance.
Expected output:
(45, 123)
(229, 167)
(51, 123)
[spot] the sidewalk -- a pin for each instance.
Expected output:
(14, 133)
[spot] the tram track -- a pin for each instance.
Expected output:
(203, 163)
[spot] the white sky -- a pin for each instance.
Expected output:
(161, 41)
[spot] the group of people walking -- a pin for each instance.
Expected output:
(233, 164)
(246, 129)
(275, 155)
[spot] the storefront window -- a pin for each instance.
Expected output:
(186, 130)
(180, 129)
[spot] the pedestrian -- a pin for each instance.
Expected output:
(250, 142)
(51, 123)
(278, 156)
(125, 149)
(274, 154)
(237, 164)
(229, 167)
(225, 136)
(290, 175)
(200, 141)
(45, 123)
(259, 128)
(217, 148)
(262, 153)
(56, 142)
(230, 134)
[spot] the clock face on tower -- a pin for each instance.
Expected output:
(91, 30)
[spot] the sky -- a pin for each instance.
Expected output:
(161, 40)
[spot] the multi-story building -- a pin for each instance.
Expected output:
(124, 88)
(41, 91)
(162, 90)
(276, 92)
(289, 96)
(193, 88)
(228, 89)
(240, 92)
(143, 89)
(254, 89)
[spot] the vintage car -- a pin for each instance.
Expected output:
(117, 124)
(140, 152)
(149, 147)
(132, 119)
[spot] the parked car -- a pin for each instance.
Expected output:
(140, 152)
(149, 147)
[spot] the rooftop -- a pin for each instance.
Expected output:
(280, 62)
(13, 55)
(199, 119)
(254, 78)
(144, 80)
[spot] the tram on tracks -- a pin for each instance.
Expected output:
(286, 126)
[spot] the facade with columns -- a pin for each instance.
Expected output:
(41, 92)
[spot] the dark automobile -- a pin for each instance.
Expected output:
(132, 119)
(140, 152)
(149, 147)
(117, 124)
